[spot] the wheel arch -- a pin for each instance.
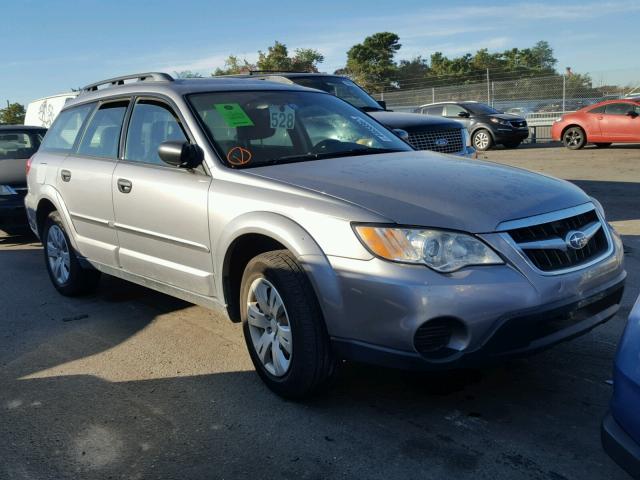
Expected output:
(257, 232)
(571, 125)
(48, 202)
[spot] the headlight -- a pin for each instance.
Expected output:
(466, 138)
(442, 250)
(499, 120)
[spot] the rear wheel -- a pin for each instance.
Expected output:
(574, 138)
(283, 326)
(482, 140)
(602, 145)
(64, 268)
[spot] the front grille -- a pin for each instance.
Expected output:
(443, 141)
(556, 254)
(518, 124)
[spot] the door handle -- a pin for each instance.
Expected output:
(124, 185)
(65, 175)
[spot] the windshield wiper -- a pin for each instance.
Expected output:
(317, 156)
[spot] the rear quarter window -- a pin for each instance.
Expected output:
(65, 129)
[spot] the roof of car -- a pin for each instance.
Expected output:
(464, 102)
(263, 73)
(166, 84)
(21, 127)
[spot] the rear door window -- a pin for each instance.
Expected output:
(434, 110)
(65, 129)
(618, 108)
(102, 135)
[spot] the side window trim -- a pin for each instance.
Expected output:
(83, 129)
(76, 142)
(171, 106)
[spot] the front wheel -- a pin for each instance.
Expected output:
(482, 140)
(65, 271)
(574, 138)
(283, 326)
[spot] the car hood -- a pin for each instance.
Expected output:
(429, 189)
(507, 116)
(413, 121)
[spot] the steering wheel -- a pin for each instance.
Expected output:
(326, 145)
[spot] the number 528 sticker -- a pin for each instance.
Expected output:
(282, 116)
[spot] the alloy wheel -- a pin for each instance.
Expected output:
(481, 140)
(58, 255)
(573, 137)
(269, 327)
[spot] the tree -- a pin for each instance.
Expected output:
(371, 63)
(187, 74)
(234, 66)
(275, 58)
(13, 114)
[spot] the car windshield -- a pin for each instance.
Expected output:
(480, 109)
(257, 128)
(342, 88)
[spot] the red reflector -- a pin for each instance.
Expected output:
(28, 165)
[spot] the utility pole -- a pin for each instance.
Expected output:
(488, 88)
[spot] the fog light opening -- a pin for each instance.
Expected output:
(440, 337)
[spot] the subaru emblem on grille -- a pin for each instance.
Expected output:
(441, 142)
(576, 240)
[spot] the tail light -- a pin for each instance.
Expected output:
(28, 165)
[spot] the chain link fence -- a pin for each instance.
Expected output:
(539, 99)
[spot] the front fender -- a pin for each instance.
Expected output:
(298, 241)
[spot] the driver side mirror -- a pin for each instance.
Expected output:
(181, 154)
(632, 113)
(464, 114)
(383, 104)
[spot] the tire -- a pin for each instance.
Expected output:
(307, 364)
(482, 140)
(603, 145)
(512, 144)
(574, 138)
(61, 260)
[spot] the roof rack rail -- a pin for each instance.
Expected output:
(258, 72)
(140, 77)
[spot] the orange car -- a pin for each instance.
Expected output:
(601, 124)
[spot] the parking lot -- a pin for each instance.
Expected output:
(130, 383)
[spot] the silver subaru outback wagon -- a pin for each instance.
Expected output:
(316, 227)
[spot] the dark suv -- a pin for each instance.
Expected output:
(423, 133)
(487, 126)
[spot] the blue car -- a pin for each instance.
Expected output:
(621, 426)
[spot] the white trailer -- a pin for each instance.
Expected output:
(42, 112)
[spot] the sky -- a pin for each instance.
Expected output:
(55, 45)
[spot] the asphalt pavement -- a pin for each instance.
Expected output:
(131, 384)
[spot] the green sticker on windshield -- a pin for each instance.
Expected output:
(234, 115)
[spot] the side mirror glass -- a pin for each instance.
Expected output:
(383, 104)
(181, 154)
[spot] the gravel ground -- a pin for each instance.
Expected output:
(129, 383)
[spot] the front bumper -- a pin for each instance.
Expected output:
(620, 446)
(509, 135)
(498, 311)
